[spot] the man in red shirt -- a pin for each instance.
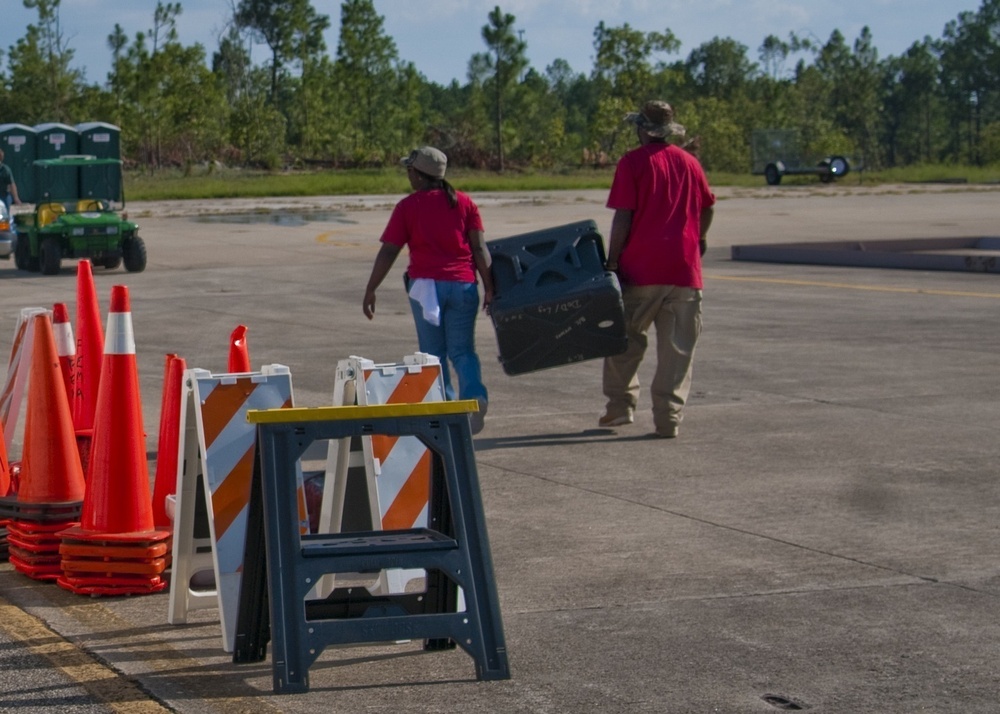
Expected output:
(663, 209)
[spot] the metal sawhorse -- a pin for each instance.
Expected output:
(453, 549)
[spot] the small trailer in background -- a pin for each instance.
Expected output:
(777, 152)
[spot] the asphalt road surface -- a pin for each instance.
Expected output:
(821, 535)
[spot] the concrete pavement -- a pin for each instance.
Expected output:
(822, 534)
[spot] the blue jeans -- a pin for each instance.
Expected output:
(454, 339)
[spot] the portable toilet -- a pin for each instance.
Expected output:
(100, 139)
(54, 141)
(103, 141)
(19, 147)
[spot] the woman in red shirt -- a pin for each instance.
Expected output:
(444, 233)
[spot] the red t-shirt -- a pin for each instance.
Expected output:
(666, 189)
(437, 235)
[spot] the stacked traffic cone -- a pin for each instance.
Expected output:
(50, 488)
(165, 483)
(17, 373)
(6, 484)
(116, 550)
(89, 358)
(6, 488)
(65, 348)
(239, 353)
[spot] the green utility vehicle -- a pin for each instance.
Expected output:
(78, 214)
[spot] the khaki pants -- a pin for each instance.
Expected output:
(676, 314)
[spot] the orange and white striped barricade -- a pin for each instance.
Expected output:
(17, 373)
(216, 445)
(397, 469)
(192, 572)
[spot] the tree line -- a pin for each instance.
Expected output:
(364, 106)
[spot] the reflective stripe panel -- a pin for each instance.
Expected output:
(120, 339)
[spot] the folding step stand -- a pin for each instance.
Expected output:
(453, 549)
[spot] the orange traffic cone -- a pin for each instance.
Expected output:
(117, 510)
(6, 485)
(50, 464)
(165, 482)
(65, 348)
(51, 486)
(118, 499)
(89, 356)
(239, 353)
(17, 373)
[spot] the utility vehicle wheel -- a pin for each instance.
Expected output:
(772, 175)
(134, 254)
(112, 263)
(51, 255)
(22, 255)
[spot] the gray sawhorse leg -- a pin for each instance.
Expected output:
(453, 549)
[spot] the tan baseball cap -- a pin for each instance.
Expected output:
(427, 160)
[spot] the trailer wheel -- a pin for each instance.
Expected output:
(833, 167)
(772, 175)
(839, 166)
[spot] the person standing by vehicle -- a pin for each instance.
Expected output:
(8, 189)
(663, 209)
(444, 233)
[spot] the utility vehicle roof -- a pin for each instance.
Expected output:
(76, 160)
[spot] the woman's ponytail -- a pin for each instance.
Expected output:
(449, 191)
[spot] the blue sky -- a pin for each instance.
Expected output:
(439, 36)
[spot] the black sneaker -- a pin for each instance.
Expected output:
(478, 419)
